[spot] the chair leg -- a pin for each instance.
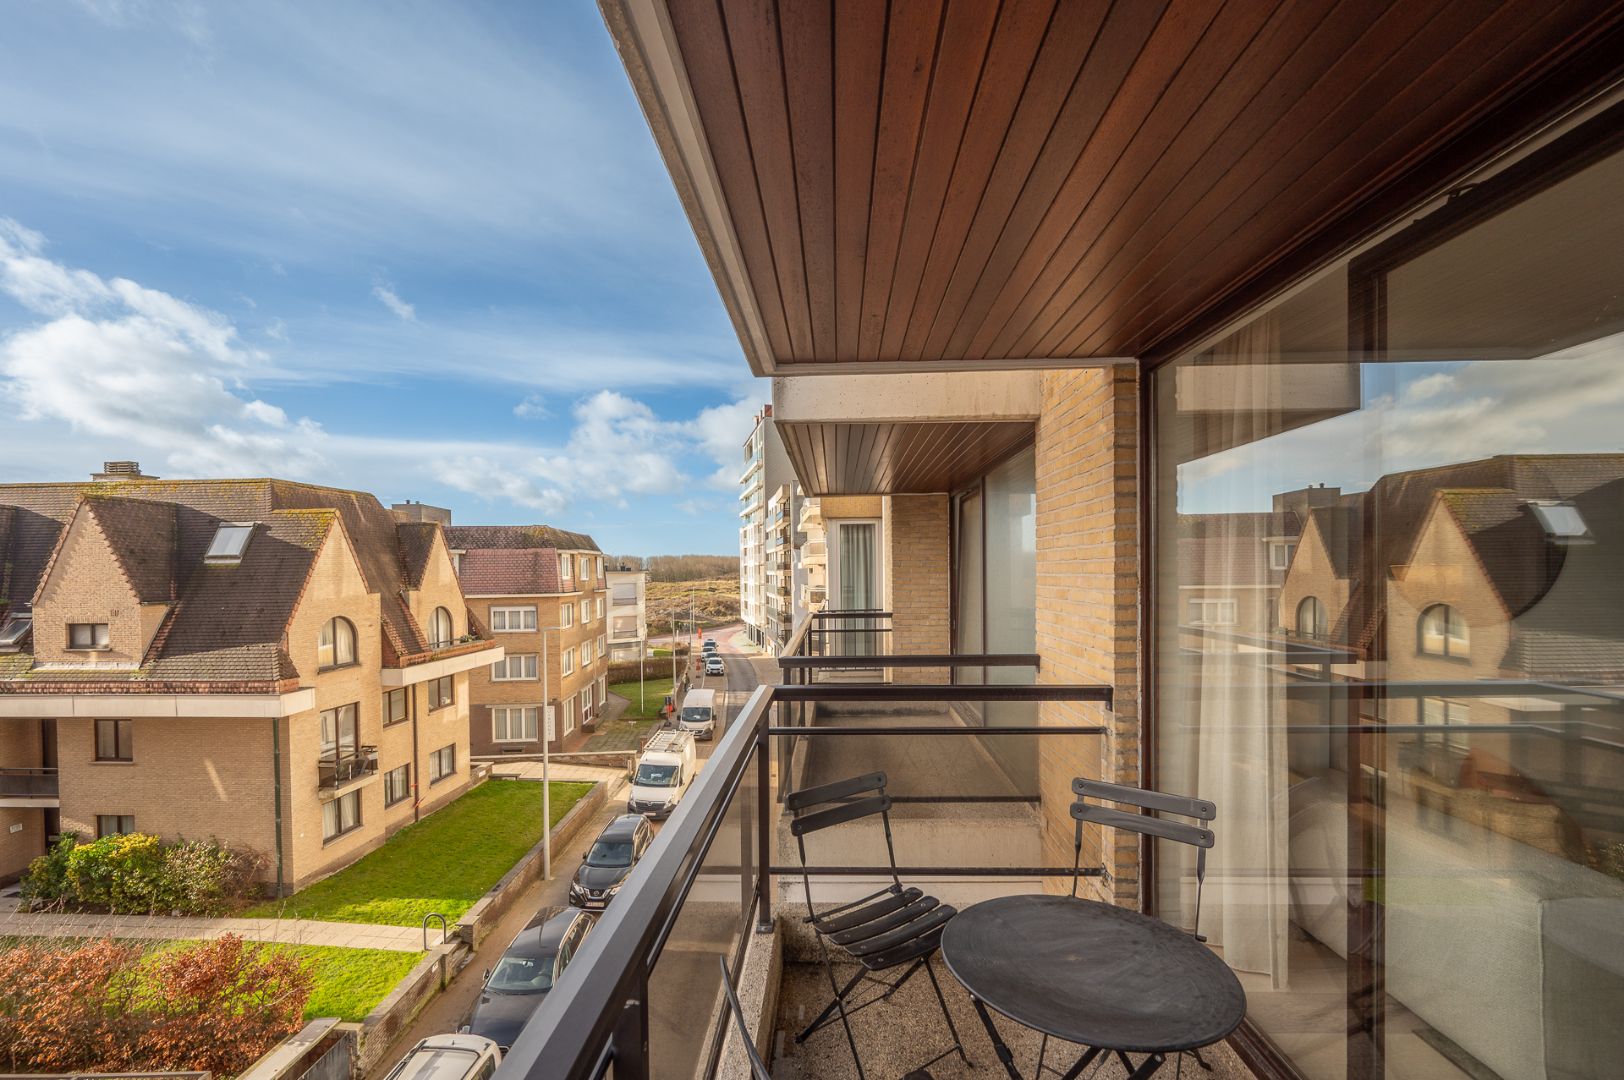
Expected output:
(958, 1043)
(829, 1009)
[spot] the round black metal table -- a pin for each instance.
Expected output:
(1090, 973)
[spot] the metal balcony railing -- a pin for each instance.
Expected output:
(640, 995)
(28, 783)
(337, 769)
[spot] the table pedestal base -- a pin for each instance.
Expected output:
(1006, 1057)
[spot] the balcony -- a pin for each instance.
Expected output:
(21, 788)
(724, 878)
(339, 772)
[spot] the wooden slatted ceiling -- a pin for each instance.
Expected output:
(967, 180)
(897, 458)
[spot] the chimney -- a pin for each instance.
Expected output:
(120, 470)
(421, 512)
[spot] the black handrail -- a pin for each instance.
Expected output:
(947, 660)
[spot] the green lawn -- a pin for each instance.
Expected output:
(654, 693)
(444, 863)
(351, 982)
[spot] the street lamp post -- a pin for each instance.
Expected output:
(546, 763)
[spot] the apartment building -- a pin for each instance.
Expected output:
(1062, 288)
(628, 612)
(279, 665)
(812, 557)
(544, 594)
(767, 601)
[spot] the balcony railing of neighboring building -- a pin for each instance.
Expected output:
(336, 769)
(641, 994)
(28, 783)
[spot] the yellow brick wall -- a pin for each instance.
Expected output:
(20, 748)
(1088, 601)
(916, 581)
(87, 585)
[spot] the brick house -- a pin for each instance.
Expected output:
(279, 665)
(544, 595)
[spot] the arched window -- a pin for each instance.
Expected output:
(337, 646)
(440, 631)
(1443, 632)
(1311, 621)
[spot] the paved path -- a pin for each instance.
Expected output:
(163, 928)
(560, 772)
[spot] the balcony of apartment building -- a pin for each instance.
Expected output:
(341, 769)
(24, 788)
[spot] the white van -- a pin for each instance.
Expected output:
(665, 768)
(449, 1057)
(698, 713)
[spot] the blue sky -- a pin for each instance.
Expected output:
(424, 250)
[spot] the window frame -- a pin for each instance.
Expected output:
(566, 613)
(101, 635)
(507, 611)
(1451, 646)
(352, 798)
(529, 721)
(123, 740)
(400, 693)
(117, 831)
(440, 619)
(337, 712)
(437, 772)
(331, 648)
(406, 792)
(566, 660)
(530, 670)
(442, 692)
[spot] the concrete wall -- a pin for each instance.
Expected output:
(1088, 601)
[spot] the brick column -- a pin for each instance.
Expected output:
(1088, 602)
(916, 589)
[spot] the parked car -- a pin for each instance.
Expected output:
(698, 713)
(665, 768)
(449, 1057)
(607, 864)
(709, 647)
(526, 971)
(713, 666)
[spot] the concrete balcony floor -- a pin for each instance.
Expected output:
(895, 1037)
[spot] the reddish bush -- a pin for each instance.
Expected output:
(215, 1005)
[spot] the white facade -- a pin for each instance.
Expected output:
(627, 623)
(769, 603)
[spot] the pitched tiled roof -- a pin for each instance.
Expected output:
(500, 572)
(517, 537)
(228, 621)
(416, 545)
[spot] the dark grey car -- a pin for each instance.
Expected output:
(526, 971)
(610, 860)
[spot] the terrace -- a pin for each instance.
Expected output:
(1203, 360)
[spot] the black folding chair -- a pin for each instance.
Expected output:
(758, 1068)
(1197, 836)
(894, 927)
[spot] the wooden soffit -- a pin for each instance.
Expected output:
(930, 184)
(897, 458)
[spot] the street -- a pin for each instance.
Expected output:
(448, 1011)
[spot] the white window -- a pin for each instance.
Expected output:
(586, 653)
(1453, 716)
(603, 645)
(1561, 521)
(569, 715)
(515, 723)
(603, 689)
(512, 620)
(1212, 612)
(228, 544)
(1311, 618)
(441, 629)
(514, 668)
(586, 703)
(1443, 632)
(568, 613)
(1280, 553)
(87, 635)
(586, 612)
(568, 660)
(600, 607)
(566, 567)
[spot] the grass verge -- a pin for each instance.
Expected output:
(443, 864)
(654, 695)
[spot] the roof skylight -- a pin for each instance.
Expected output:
(230, 540)
(1561, 521)
(14, 629)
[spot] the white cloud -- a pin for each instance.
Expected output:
(139, 367)
(720, 432)
(489, 478)
(391, 300)
(533, 407)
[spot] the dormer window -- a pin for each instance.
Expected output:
(566, 567)
(440, 629)
(1562, 522)
(337, 645)
(230, 540)
(88, 636)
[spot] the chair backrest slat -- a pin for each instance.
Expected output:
(1143, 823)
(1200, 809)
(839, 814)
(757, 1066)
(839, 789)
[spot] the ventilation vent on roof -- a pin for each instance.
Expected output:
(230, 540)
(1562, 522)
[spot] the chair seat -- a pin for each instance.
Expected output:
(884, 923)
(934, 919)
(867, 913)
(912, 949)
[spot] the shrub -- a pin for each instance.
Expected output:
(136, 874)
(98, 1006)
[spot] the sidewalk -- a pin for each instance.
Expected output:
(163, 928)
